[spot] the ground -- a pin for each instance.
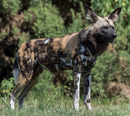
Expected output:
(58, 105)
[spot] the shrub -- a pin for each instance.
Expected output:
(6, 86)
(44, 86)
(10, 6)
(44, 20)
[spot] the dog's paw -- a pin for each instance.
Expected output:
(89, 106)
(76, 106)
(12, 103)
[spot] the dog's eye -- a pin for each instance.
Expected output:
(112, 27)
(105, 27)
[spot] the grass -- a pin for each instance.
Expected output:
(57, 105)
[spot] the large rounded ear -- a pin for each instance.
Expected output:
(91, 15)
(114, 15)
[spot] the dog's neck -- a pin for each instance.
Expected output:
(94, 44)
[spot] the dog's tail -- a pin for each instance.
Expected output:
(16, 70)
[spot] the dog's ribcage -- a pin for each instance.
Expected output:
(57, 61)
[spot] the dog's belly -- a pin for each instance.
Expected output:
(55, 65)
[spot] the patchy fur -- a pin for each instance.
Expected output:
(77, 51)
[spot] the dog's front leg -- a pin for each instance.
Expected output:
(87, 83)
(76, 89)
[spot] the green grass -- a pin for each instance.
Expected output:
(57, 105)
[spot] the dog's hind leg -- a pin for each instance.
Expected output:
(28, 87)
(16, 75)
(24, 73)
(22, 81)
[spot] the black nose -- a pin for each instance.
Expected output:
(114, 35)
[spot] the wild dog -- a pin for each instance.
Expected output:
(77, 51)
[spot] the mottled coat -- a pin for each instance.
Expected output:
(77, 51)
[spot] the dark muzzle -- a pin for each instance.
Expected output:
(111, 40)
(114, 35)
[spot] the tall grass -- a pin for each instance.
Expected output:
(58, 105)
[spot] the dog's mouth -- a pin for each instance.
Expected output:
(111, 40)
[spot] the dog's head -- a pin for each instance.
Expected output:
(103, 27)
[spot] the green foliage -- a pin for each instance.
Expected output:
(6, 86)
(77, 23)
(102, 72)
(77, 1)
(44, 86)
(23, 38)
(45, 20)
(10, 6)
(15, 31)
(1, 35)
